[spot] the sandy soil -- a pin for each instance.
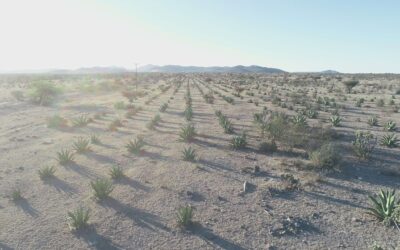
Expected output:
(141, 212)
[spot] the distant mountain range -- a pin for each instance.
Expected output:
(213, 69)
(162, 69)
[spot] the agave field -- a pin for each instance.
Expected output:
(199, 161)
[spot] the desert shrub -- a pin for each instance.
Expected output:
(380, 103)
(119, 105)
(16, 195)
(268, 147)
(46, 172)
(350, 84)
(135, 146)
(185, 216)
(228, 99)
(372, 121)
(239, 142)
(65, 156)
(101, 188)
(18, 95)
(389, 140)
(78, 218)
(81, 145)
(56, 121)
(43, 93)
(289, 182)
(327, 157)
(116, 172)
(209, 97)
(187, 133)
(364, 144)
(390, 126)
(188, 154)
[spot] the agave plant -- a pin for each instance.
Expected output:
(95, 139)
(46, 172)
(81, 145)
(188, 113)
(101, 188)
(135, 146)
(384, 205)
(78, 218)
(311, 113)
(390, 126)
(389, 140)
(187, 133)
(335, 120)
(116, 172)
(81, 121)
(188, 154)
(164, 107)
(300, 120)
(239, 142)
(16, 194)
(184, 216)
(65, 156)
(372, 121)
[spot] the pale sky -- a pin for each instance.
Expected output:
(348, 36)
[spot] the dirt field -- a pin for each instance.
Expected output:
(313, 208)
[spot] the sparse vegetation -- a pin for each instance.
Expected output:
(101, 188)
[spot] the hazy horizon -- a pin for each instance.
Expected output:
(306, 36)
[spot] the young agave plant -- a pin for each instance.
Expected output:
(390, 126)
(116, 172)
(300, 120)
(188, 113)
(65, 156)
(335, 120)
(78, 218)
(384, 205)
(46, 172)
(164, 107)
(312, 114)
(390, 140)
(239, 142)
(95, 139)
(189, 154)
(81, 145)
(187, 133)
(135, 147)
(372, 121)
(101, 188)
(81, 121)
(184, 216)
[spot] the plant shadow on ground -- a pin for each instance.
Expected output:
(60, 185)
(140, 217)
(100, 158)
(81, 170)
(134, 184)
(5, 247)
(24, 205)
(211, 238)
(95, 240)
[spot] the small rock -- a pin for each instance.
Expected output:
(47, 141)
